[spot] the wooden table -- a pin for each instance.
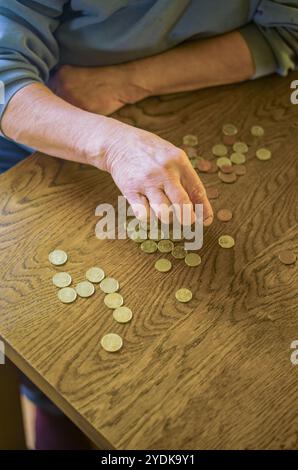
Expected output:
(214, 373)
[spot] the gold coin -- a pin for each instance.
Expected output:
(287, 257)
(62, 279)
(257, 131)
(237, 158)
(229, 129)
(219, 150)
(85, 289)
(122, 314)
(95, 274)
(183, 295)
(192, 260)
(109, 285)
(240, 147)
(165, 246)
(179, 252)
(226, 241)
(58, 257)
(163, 265)
(190, 140)
(136, 237)
(67, 295)
(111, 342)
(149, 246)
(113, 300)
(263, 154)
(223, 161)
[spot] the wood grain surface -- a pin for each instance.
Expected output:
(212, 374)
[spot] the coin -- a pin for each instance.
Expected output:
(109, 285)
(219, 150)
(179, 252)
(287, 257)
(212, 193)
(223, 161)
(67, 295)
(192, 259)
(263, 154)
(226, 241)
(237, 158)
(122, 314)
(111, 342)
(62, 279)
(163, 265)
(204, 165)
(213, 167)
(191, 152)
(190, 140)
(227, 169)
(136, 237)
(183, 295)
(239, 170)
(95, 274)
(227, 178)
(240, 147)
(149, 246)
(229, 129)
(165, 246)
(224, 215)
(113, 300)
(58, 257)
(257, 131)
(85, 289)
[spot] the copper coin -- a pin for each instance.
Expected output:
(227, 169)
(203, 165)
(212, 193)
(213, 168)
(287, 257)
(227, 178)
(191, 152)
(224, 215)
(239, 170)
(229, 139)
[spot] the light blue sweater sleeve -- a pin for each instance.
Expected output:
(28, 49)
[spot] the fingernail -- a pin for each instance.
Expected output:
(208, 221)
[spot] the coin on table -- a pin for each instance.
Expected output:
(192, 260)
(109, 285)
(287, 257)
(226, 241)
(163, 265)
(213, 167)
(239, 170)
(263, 154)
(122, 314)
(183, 295)
(203, 165)
(149, 246)
(67, 295)
(212, 193)
(62, 279)
(95, 274)
(237, 158)
(257, 131)
(227, 178)
(179, 252)
(136, 237)
(219, 150)
(240, 147)
(190, 140)
(113, 300)
(227, 168)
(58, 257)
(111, 342)
(223, 161)
(165, 246)
(85, 289)
(224, 215)
(229, 129)
(191, 152)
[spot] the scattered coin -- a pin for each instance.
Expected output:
(113, 300)
(227, 169)
(240, 147)
(263, 154)
(191, 152)
(204, 165)
(179, 252)
(109, 285)
(183, 295)
(58, 257)
(213, 167)
(165, 246)
(257, 131)
(190, 140)
(226, 241)
(239, 170)
(95, 274)
(224, 215)
(163, 265)
(122, 314)
(85, 289)
(149, 246)
(287, 257)
(111, 342)
(136, 237)
(219, 150)
(212, 193)
(229, 129)
(62, 279)
(223, 161)
(192, 259)
(238, 158)
(227, 178)
(67, 295)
